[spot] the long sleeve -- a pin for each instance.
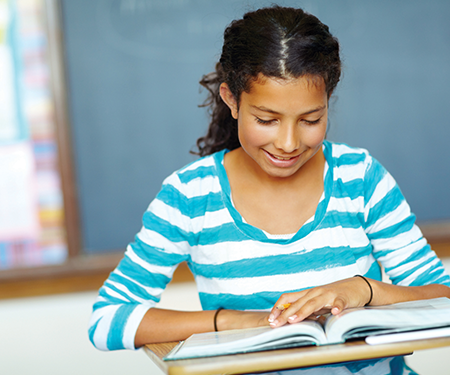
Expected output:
(147, 267)
(398, 243)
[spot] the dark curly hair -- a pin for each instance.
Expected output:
(276, 42)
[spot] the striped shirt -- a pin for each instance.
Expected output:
(361, 221)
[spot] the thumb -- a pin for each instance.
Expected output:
(338, 306)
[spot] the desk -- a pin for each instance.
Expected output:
(284, 358)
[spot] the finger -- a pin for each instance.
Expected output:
(316, 303)
(277, 311)
(273, 318)
(302, 309)
(338, 306)
(283, 303)
(323, 311)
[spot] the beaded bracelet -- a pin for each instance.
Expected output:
(215, 318)
(370, 287)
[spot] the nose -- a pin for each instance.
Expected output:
(288, 138)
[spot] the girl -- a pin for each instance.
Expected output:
(272, 213)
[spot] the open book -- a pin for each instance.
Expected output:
(416, 316)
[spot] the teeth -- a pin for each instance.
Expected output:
(276, 157)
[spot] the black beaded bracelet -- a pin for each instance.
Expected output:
(370, 287)
(215, 318)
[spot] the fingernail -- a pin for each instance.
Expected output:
(274, 323)
(293, 317)
(271, 318)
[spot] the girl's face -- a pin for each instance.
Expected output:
(281, 123)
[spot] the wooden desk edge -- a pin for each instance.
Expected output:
(285, 358)
(156, 352)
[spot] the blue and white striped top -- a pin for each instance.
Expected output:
(362, 219)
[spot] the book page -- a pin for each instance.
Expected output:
(249, 340)
(408, 336)
(405, 316)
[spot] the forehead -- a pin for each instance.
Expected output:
(292, 92)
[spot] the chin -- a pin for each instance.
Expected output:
(281, 173)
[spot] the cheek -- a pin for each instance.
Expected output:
(253, 136)
(315, 136)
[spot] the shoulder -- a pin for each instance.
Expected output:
(201, 172)
(344, 159)
(357, 170)
(343, 154)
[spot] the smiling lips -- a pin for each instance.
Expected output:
(281, 161)
(280, 158)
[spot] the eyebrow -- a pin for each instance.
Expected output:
(268, 110)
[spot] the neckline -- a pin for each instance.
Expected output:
(280, 236)
(259, 234)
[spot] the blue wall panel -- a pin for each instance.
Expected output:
(133, 72)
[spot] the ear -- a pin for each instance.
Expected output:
(229, 99)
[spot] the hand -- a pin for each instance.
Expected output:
(311, 303)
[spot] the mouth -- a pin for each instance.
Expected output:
(281, 157)
(282, 161)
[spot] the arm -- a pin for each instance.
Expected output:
(397, 244)
(160, 325)
(137, 283)
(134, 287)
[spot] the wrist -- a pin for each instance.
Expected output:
(235, 319)
(216, 314)
(369, 285)
(224, 319)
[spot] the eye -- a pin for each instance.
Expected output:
(263, 122)
(312, 122)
